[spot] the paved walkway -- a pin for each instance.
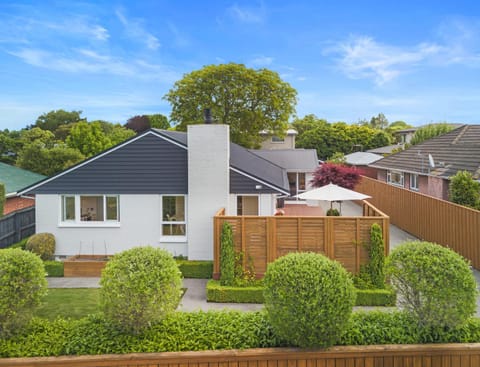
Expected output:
(195, 296)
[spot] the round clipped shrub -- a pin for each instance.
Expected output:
(308, 299)
(140, 286)
(22, 286)
(433, 283)
(42, 244)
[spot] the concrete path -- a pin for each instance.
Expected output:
(195, 297)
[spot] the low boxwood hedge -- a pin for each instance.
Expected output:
(212, 330)
(224, 294)
(196, 269)
(53, 268)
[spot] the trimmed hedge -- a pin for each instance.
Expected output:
(53, 268)
(229, 294)
(196, 269)
(212, 330)
(254, 294)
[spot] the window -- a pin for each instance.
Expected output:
(413, 182)
(297, 182)
(395, 178)
(90, 208)
(68, 208)
(173, 216)
(277, 139)
(247, 205)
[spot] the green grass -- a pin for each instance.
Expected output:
(69, 303)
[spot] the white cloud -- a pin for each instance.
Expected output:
(135, 30)
(262, 61)
(248, 14)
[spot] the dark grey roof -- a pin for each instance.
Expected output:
(388, 149)
(299, 160)
(245, 161)
(454, 151)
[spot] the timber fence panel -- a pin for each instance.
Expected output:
(428, 218)
(17, 226)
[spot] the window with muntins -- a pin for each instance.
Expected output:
(173, 215)
(90, 208)
(395, 178)
(413, 182)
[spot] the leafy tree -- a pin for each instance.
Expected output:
(138, 124)
(337, 158)
(37, 135)
(10, 145)
(429, 132)
(465, 190)
(337, 174)
(53, 119)
(118, 134)
(88, 138)
(2, 198)
(246, 99)
(307, 123)
(396, 126)
(379, 122)
(159, 121)
(37, 157)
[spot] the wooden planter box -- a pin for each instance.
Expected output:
(84, 265)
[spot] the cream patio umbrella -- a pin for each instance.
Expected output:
(332, 193)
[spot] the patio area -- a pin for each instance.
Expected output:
(302, 210)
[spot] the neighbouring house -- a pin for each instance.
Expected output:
(275, 142)
(361, 160)
(428, 166)
(299, 164)
(387, 149)
(159, 188)
(404, 136)
(14, 179)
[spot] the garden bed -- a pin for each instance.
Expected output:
(85, 265)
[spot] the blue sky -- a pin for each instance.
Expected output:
(417, 61)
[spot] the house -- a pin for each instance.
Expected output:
(271, 141)
(428, 166)
(14, 179)
(387, 150)
(159, 188)
(404, 136)
(361, 160)
(299, 164)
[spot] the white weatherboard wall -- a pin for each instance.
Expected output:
(208, 184)
(139, 226)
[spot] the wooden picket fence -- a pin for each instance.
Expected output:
(265, 238)
(428, 218)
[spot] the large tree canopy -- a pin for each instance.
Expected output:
(53, 119)
(246, 99)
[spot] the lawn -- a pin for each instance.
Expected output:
(67, 302)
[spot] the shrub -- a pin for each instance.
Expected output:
(229, 294)
(375, 297)
(20, 244)
(465, 190)
(227, 256)
(140, 286)
(433, 283)
(42, 244)
(195, 269)
(333, 212)
(308, 299)
(372, 275)
(22, 286)
(53, 268)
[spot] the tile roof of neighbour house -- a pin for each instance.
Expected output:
(362, 158)
(16, 178)
(244, 160)
(454, 151)
(388, 149)
(301, 160)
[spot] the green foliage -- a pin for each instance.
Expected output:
(10, 145)
(195, 269)
(20, 244)
(2, 198)
(375, 297)
(328, 139)
(22, 286)
(42, 244)
(140, 286)
(248, 100)
(337, 158)
(227, 256)
(308, 299)
(373, 273)
(88, 138)
(244, 275)
(430, 131)
(159, 121)
(465, 190)
(433, 283)
(233, 294)
(52, 120)
(53, 268)
(332, 212)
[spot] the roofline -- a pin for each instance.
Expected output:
(259, 180)
(95, 157)
(409, 171)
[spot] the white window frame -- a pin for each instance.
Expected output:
(78, 222)
(402, 178)
(414, 182)
(169, 238)
(277, 140)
